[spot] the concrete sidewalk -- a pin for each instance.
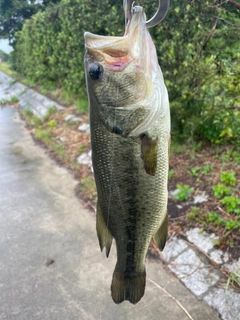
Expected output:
(41, 221)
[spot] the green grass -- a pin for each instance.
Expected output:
(176, 147)
(194, 171)
(74, 163)
(50, 112)
(233, 279)
(228, 177)
(31, 118)
(28, 82)
(70, 123)
(87, 184)
(88, 188)
(66, 97)
(207, 168)
(80, 100)
(4, 101)
(231, 204)
(171, 174)
(52, 123)
(214, 218)
(232, 154)
(12, 100)
(43, 91)
(220, 190)
(43, 135)
(27, 113)
(81, 104)
(81, 148)
(184, 192)
(6, 68)
(59, 149)
(194, 213)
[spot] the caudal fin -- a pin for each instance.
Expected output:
(129, 288)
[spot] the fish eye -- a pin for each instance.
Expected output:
(95, 71)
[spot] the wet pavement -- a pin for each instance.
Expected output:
(51, 266)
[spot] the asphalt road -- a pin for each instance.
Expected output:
(50, 263)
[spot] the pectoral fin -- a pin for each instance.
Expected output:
(149, 150)
(160, 236)
(104, 235)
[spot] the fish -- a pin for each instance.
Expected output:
(130, 136)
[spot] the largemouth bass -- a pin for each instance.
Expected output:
(130, 134)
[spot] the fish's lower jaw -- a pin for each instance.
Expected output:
(126, 287)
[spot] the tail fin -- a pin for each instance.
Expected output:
(129, 288)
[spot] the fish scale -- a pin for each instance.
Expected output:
(129, 152)
(119, 87)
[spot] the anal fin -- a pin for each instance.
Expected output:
(104, 235)
(160, 236)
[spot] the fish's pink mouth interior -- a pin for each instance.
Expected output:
(116, 63)
(118, 59)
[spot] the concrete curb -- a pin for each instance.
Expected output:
(28, 98)
(200, 276)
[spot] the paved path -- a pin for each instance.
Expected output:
(40, 220)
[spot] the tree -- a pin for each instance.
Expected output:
(13, 13)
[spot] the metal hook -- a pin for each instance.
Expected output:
(160, 14)
(156, 19)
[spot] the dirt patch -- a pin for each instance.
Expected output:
(201, 171)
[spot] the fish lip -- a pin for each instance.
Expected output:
(114, 50)
(93, 41)
(136, 25)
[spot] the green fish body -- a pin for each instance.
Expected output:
(130, 134)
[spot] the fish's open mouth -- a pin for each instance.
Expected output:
(117, 51)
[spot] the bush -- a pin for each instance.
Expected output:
(50, 47)
(200, 61)
(197, 47)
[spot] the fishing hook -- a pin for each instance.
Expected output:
(162, 10)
